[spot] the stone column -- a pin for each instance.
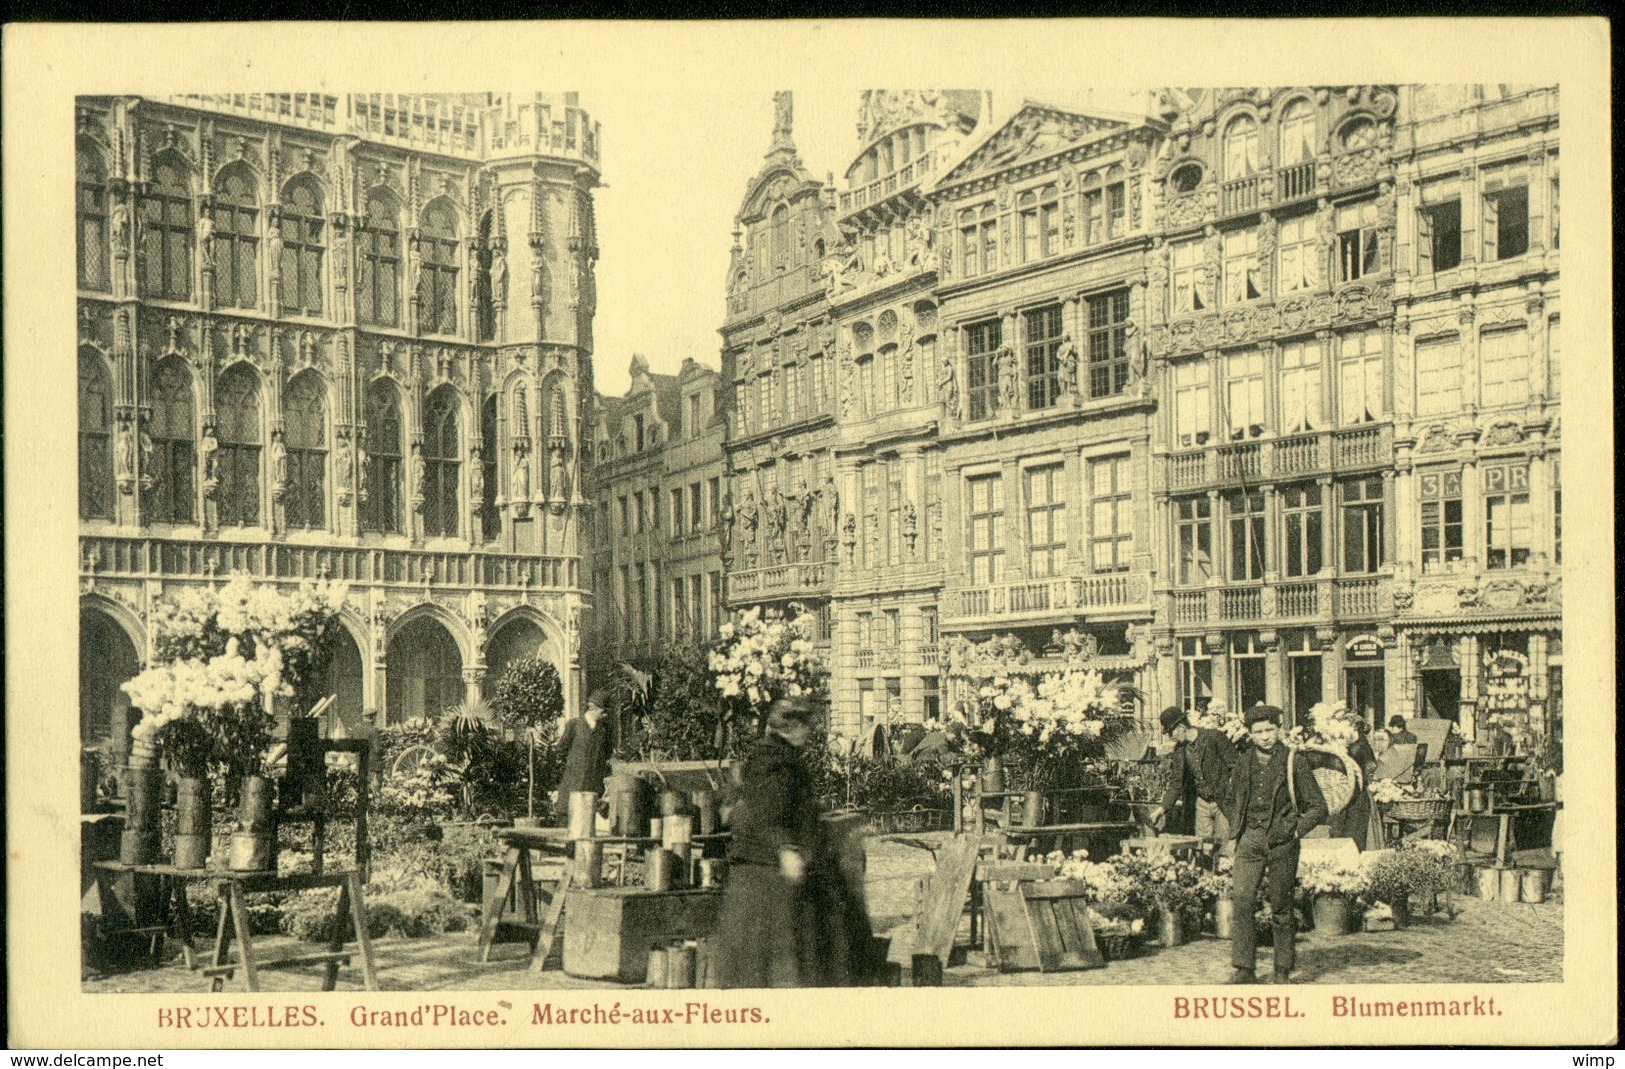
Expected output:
(1467, 654)
(1276, 682)
(1218, 650)
(1331, 663)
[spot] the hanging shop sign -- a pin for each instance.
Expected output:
(1363, 648)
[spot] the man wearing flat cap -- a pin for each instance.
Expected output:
(1198, 773)
(1273, 801)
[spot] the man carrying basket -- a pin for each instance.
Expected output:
(1272, 802)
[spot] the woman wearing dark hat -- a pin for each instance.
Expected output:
(788, 918)
(586, 744)
(1273, 801)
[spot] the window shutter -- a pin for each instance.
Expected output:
(1490, 222)
(1424, 243)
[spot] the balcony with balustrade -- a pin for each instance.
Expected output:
(161, 558)
(780, 582)
(907, 178)
(1116, 596)
(1325, 452)
(1320, 600)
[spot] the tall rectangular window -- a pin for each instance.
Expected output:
(1300, 386)
(1302, 516)
(1362, 525)
(1194, 520)
(986, 542)
(1506, 223)
(1359, 378)
(1247, 549)
(892, 636)
(694, 416)
(638, 510)
(1116, 210)
(894, 511)
(1192, 291)
(1438, 376)
(1441, 518)
(703, 620)
(1108, 343)
(679, 609)
(1508, 529)
(1557, 512)
(1049, 221)
(1241, 283)
(792, 393)
(716, 500)
(1042, 327)
(1195, 675)
(982, 341)
(1504, 367)
(1111, 530)
(1357, 241)
(869, 488)
(1046, 521)
(1438, 236)
(1296, 256)
(887, 396)
(1193, 404)
(931, 534)
(626, 516)
(1027, 226)
(696, 515)
(677, 510)
(1244, 394)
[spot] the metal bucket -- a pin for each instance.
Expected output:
(705, 812)
(680, 965)
(676, 831)
(673, 802)
(1511, 885)
(1489, 884)
(628, 804)
(583, 820)
(657, 967)
(589, 861)
(250, 851)
(710, 871)
(193, 824)
(658, 870)
(655, 827)
(1533, 885)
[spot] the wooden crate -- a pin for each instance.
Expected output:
(608, 931)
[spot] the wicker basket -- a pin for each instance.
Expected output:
(1418, 809)
(1338, 787)
(1117, 945)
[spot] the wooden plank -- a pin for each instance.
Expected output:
(1046, 933)
(550, 926)
(1010, 930)
(945, 898)
(989, 871)
(1079, 949)
(363, 942)
(245, 944)
(342, 958)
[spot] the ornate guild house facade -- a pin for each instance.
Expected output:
(344, 337)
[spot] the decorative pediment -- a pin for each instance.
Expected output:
(1033, 132)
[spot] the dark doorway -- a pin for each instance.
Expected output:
(1306, 690)
(1441, 693)
(1363, 690)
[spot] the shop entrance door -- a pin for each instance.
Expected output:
(1441, 693)
(1305, 685)
(1362, 689)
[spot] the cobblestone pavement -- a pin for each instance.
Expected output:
(1485, 942)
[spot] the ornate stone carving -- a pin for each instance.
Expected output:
(1503, 432)
(1238, 326)
(1435, 439)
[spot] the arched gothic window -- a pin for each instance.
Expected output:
(236, 240)
(304, 500)
(91, 178)
(378, 264)
(382, 511)
(95, 438)
(166, 234)
(779, 236)
(237, 400)
(437, 290)
(441, 463)
(1297, 133)
(1241, 148)
(173, 435)
(303, 247)
(490, 515)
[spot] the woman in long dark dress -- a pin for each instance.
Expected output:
(788, 918)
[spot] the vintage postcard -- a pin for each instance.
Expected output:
(810, 534)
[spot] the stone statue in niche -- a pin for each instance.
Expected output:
(849, 535)
(364, 464)
(726, 514)
(558, 483)
(205, 238)
(829, 508)
(207, 451)
(774, 514)
(1067, 359)
(783, 114)
(948, 387)
(119, 227)
(748, 520)
(420, 477)
(499, 277)
(910, 524)
(1004, 361)
(279, 465)
(346, 468)
(917, 241)
(126, 457)
(476, 476)
(519, 489)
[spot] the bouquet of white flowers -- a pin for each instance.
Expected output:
(762, 656)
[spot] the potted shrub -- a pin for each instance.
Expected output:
(1392, 877)
(1333, 888)
(529, 700)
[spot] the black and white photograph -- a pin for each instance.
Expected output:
(659, 546)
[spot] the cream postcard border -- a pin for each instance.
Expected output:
(49, 65)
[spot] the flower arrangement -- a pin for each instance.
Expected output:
(1327, 726)
(1217, 718)
(221, 656)
(1067, 715)
(1331, 878)
(421, 792)
(1384, 791)
(1163, 882)
(764, 655)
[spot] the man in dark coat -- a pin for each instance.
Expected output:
(1398, 733)
(586, 745)
(788, 917)
(1198, 772)
(1273, 801)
